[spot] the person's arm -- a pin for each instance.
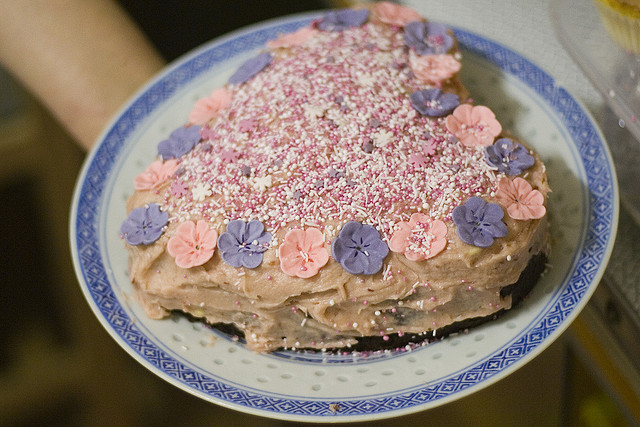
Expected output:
(81, 58)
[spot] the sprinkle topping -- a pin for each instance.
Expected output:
(301, 145)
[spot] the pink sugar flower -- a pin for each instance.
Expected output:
(474, 126)
(429, 148)
(229, 156)
(520, 199)
(155, 174)
(192, 244)
(293, 39)
(207, 108)
(418, 159)
(303, 253)
(247, 125)
(419, 238)
(433, 69)
(208, 134)
(178, 188)
(393, 14)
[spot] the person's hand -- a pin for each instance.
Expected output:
(82, 59)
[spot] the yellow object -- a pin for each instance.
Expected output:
(622, 20)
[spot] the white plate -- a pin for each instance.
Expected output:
(583, 209)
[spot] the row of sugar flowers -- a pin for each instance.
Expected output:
(358, 247)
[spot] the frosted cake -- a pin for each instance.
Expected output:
(341, 191)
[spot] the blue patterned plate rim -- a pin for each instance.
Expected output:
(586, 269)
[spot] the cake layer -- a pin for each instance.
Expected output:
(517, 291)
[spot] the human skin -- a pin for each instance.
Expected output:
(82, 59)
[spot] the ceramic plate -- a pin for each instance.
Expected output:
(583, 210)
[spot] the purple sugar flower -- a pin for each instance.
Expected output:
(359, 248)
(243, 243)
(367, 146)
(144, 225)
(434, 102)
(336, 173)
(180, 142)
(478, 223)
(339, 20)
(509, 157)
(427, 38)
(250, 68)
